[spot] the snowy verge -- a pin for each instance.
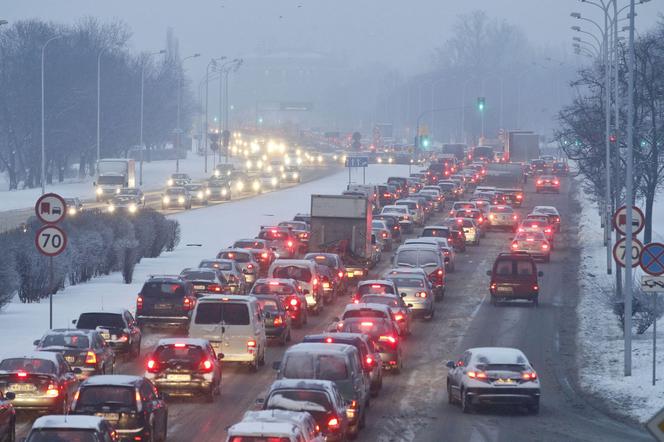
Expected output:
(600, 338)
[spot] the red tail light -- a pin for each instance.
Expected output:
(545, 247)
(289, 243)
(139, 303)
(398, 317)
(535, 287)
(278, 321)
(251, 343)
(294, 302)
(480, 375)
(519, 197)
(384, 235)
(264, 255)
(539, 181)
(315, 281)
(369, 361)
(52, 390)
(521, 229)
(391, 339)
(329, 340)
(515, 245)
(547, 230)
(421, 294)
(515, 217)
(556, 183)
(91, 358)
(250, 266)
(333, 423)
(206, 366)
(187, 303)
(440, 272)
(152, 366)
(529, 375)
(22, 374)
(214, 288)
(340, 274)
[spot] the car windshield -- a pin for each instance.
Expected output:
(329, 367)
(435, 232)
(275, 288)
(72, 340)
(179, 354)
(198, 275)
(93, 320)
(221, 265)
(62, 435)
(416, 258)
(97, 396)
(28, 365)
(248, 245)
(375, 289)
(377, 299)
(235, 256)
(292, 272)
(228, 313)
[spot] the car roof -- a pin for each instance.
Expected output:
(235, 250)
(188, 341)
(342, 336)
(263, 429)
(308, 384)
(70, 331)
(320, 347)
(375, 281)
(416, 271)
(112, 379)
(436, 227)
(367, 306)
(539, 208)
(498, 355)
(406, 247)
(296, 417)
(47, 355)
(68, 422)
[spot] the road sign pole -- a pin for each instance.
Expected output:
(349, 175)
(364, 175)
(50, 292)
(654, 337)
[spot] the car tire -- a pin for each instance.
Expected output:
(494, 301)
(450, 398)
(536, 300)
(12, 431)
(466, 406)
(547, 258)
(534, 408)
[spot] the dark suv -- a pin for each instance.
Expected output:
(118, 328)
(165, 300)
(514, 276)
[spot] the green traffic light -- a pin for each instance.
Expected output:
(425, 142)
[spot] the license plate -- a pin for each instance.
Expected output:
(505, 381)
(504, 290)
(109, 416)
(162, 306)
(178, 377)
(70, 359)
(106, 336)
(350, 274)
(199, 287)
(358, 272)
(22, 387)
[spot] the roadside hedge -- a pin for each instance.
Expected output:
(98, 243)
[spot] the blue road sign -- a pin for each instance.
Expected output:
(652, 259)
(357, 161)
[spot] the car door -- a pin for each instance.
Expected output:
(363, 383)
(5, 415)
(458, 373)
(67, 377)
(237, 327)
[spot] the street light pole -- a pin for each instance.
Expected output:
(178, 130)
(43, 125)
(142, 147)
(212, 62)
(99, 105)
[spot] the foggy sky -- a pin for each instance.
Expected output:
(398, 33)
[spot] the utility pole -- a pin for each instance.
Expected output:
(142, 146)
(43, 119)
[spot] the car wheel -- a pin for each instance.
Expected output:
(466, 406)
(12, 432)
(494, 301)
(210, 395)
(450, 399)
(536, 300)
(534, 408)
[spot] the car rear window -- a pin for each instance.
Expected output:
(292, 272)
(442, 233)
(93, 320)
(216, 265)
(62, 434)
(272, 289)
(248, 245)
(28, 365)
(408, 282)
(501, 209)
(179, 354)
(377, 299)
(106, 395)
(312, 401)
(269, 305)
(327, 261)
(371, 327)
(271, 235)
(364, 313)
(322, 366)
(198, 275)
(235, 256)
(514, 267)
(66, 340)
(162, 288)
(378, 289)
(229, 313)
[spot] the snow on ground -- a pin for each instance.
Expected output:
(213, 228)
(155, 175)
(600, 337)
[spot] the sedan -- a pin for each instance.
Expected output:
(245, 260)
(233, 278)
(176, 197)
(534, 243)
(547, 183)
(493, 375)
(400, 310)
(200, 193)
(502, 217)
(276, 318)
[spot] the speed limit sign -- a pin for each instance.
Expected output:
(620, 250)
(51, 240)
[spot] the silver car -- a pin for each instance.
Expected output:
(503, 217)
(415, 289)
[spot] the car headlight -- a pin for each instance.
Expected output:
(132, 208)
(283, 176)
(208, 192)
(117, 191)
(217, 173)
(256, 185)
(111, 208)
(224, 192)
(379, 160)
(200, 195)
(167, 200)
(169, 182)
(239, 185)
(320, 158)
(72, 211)
(99, 191)
(295, 175)
(274, 181)
(181, 199)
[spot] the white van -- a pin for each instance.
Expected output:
(234, 326)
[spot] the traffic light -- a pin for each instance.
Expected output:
(426, 142)
(613, 138)
(480, 103)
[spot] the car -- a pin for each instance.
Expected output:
(275, 425)
(320, 398)
(219, 188)
(551, 213)
(83, 349)
(336, 266)
(385, 195)
(538, 167)
(470, 229)
(400, 310)
(263, 254)
(291, 174)
(301, 230)
(373, 287)
(513, 197)
(289, 293)
(232, 278)
(122, 204)
(392, 223)
(415, 209)
(176, 197)
(165, 300)
(475, 214)
(368, 353)
(339, 363)
(503, 217)
(119, 329)
(276, 318)
(560, 168)
(534, 243)
(185, 367)
(135, 193)
(428, 258)
(71, 428)
(39, 380)
(7, 417)
(401, 184)
(131, 404)
(200, 193)
(403, 214)
(493, 375)
(245, 260)
(415, 289)
(178, 177)
(306, 273)
(547, 183)
(269, 180)
(304, 217)
(385, 336)
(381, 228)
(234, 326)
(361, 310)
(206, 280)
(282, 240)
(223, 170)
(462, 205)
(538, 223)
(514, 276)
(74, 206)
(328, 282)
(446, 248)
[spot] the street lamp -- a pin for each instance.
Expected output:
(43, 126)
(212, 63)
(178, 129)
(142, 147)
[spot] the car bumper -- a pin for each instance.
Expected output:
(240, 357)
(184, 388)
(504, 395)
(119, 347)
(24, 402)
(389, 359)
(275, 332)
(502, 223)
(175, 321)
(547, 188)
(514, 295)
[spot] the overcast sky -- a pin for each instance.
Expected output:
(401, 33)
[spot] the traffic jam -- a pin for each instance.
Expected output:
(229, 309)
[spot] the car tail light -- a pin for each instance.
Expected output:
(91, 358)
(139, 303)
(493, 286)
(480, 219)
(446, 252)
(340, 274)
(315, 281)
(515, 217)
(529, 375)
(384, 235)
(22, 374)
(294, 302)
(515, 245)
(440, 272)
(333, 423)
(250, 266)
(391, 339)
(329, 340)
(278, 321)
(557, 219)
(521, 229)
(398, 317)
(530, 239)
(206, 366)
(519, 197)
(421, 294)
(214, 288)
(52, 390)
(547, 230)
(187, 303)
(545, 247)
(556, 183)
(492, 216)
(251, 343)
(289, 243)
(535, 287)
(123, 338)
(180, 345)
(479, 375)
(369, 362)
(152, 365)
(539, 181)
(264, 255)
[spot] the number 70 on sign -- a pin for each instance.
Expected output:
(51, 240)
(620, 250)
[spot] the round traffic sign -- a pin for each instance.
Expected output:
(620, 220)
(652, 259)
(619, 251)
(51, 240)
(50, 208)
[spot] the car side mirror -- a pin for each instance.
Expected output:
(450, 364)
(36, 342)
(488, 273)
(260, 401)
(540, 273)
(220, 356)
(276, 365)
(76, 370)
(10, 395)
(403, 295)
